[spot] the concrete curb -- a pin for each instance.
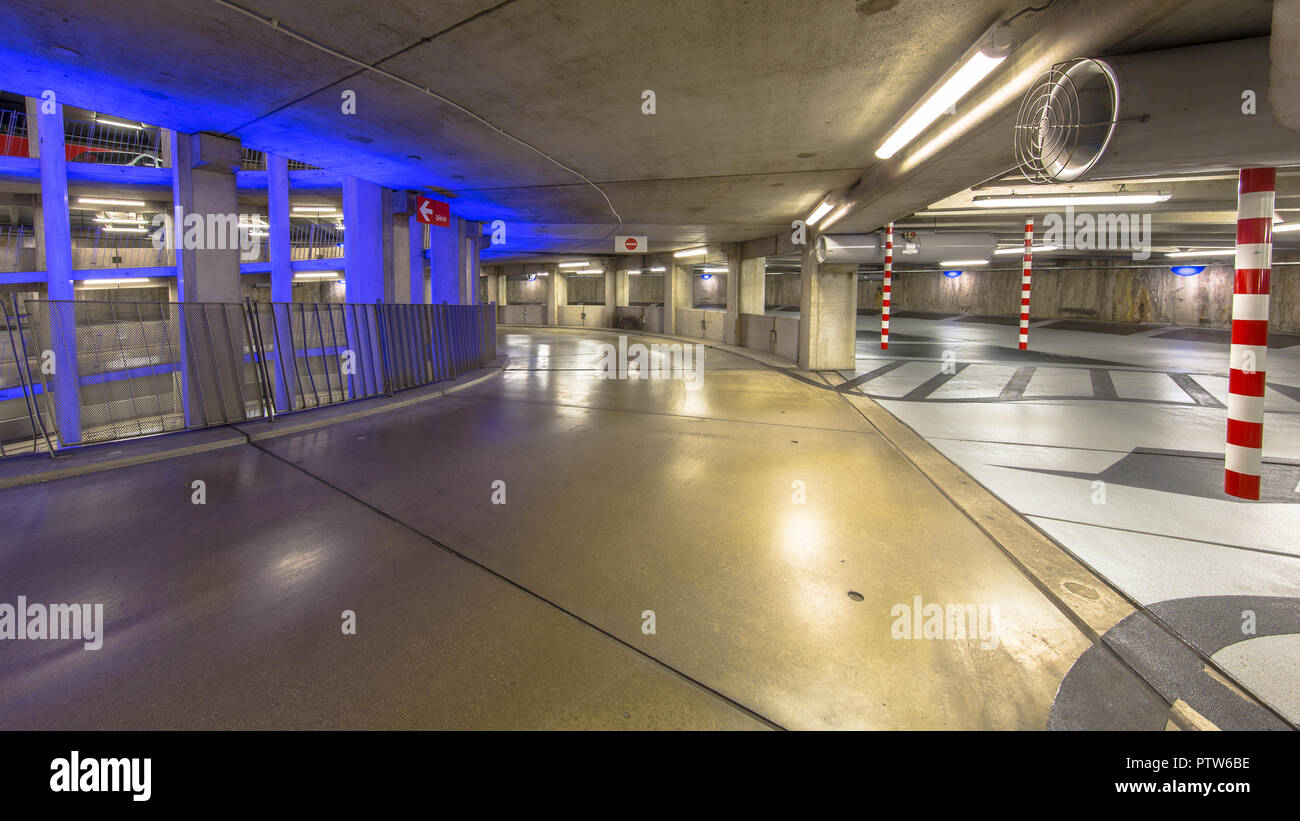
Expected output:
(243, 438)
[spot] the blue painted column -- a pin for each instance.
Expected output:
(277, 210)
(363, 263)
(58, 269)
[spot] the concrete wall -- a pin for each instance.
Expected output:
(781, 289)
(586, 289)
(1111, 291)
(711, 291)
(523, 292)
(645, 288)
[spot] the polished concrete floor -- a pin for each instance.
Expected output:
(771, 531)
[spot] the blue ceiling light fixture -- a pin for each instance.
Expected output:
(952, 274)
(1187, 270)
(532, 277)
(706, 276)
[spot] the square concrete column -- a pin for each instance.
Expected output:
(445, 243)
(828, 313)
(418, 285)
(54, 248)
(673, 292)
(402, 271)
(205, 220)
(753, 282)
(468, 265)
(557, 293)
(363, 243)
(203, 189)
(612, 275)
(731, 330)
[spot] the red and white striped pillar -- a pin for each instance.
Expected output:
(1244, 455)
(1024, 283)
(884, 292)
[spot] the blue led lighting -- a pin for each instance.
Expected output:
(1187, 270)
(706, 276)
(952, 274)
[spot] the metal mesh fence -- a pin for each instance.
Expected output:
(97, 371)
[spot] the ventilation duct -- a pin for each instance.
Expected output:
(910, 247)
(1173, 111)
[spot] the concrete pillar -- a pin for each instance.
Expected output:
(612, 274)
(672, 294)
(731, 330)
(402, 272)
(468, 263)
(753, 285)
(557, 293)
(203, 188)
(444, 261)
(417, 285)
(207, 268)
(277, 217)
(502, 292)
(363, 242)
(828, 313)
(45, 128)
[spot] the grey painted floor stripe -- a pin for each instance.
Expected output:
(1193, 389)
(932, 384)
(1289, 391)
(870, 375)
(1103, 387)
(1015, 389)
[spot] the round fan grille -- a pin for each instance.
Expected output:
(1066, 120)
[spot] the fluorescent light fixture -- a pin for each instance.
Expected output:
(1020, 249)
(315, 209)
(973, 67)
(124, 229)
(100, 120)
(714, 270)
(818, 212)
(99, 201)
(956, 262)
(117, 281)
(1211, 252)
(317, 276)
(131, 220)
(690, 252)
(1288, 226)
(1049, 200)
(634, 272)
(589, 271)
(582, 264)
(259, 233)
(658, 269)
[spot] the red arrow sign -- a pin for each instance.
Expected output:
(432, 212)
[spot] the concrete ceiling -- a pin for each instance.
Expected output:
(763, 106)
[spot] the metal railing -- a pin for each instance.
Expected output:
(21, 426)
(13, 133)
(254, 160)
(111, 144)
(17, 248)
(100, 248)
(98, 371)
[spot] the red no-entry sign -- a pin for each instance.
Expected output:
(629, 245)
(432, 212)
